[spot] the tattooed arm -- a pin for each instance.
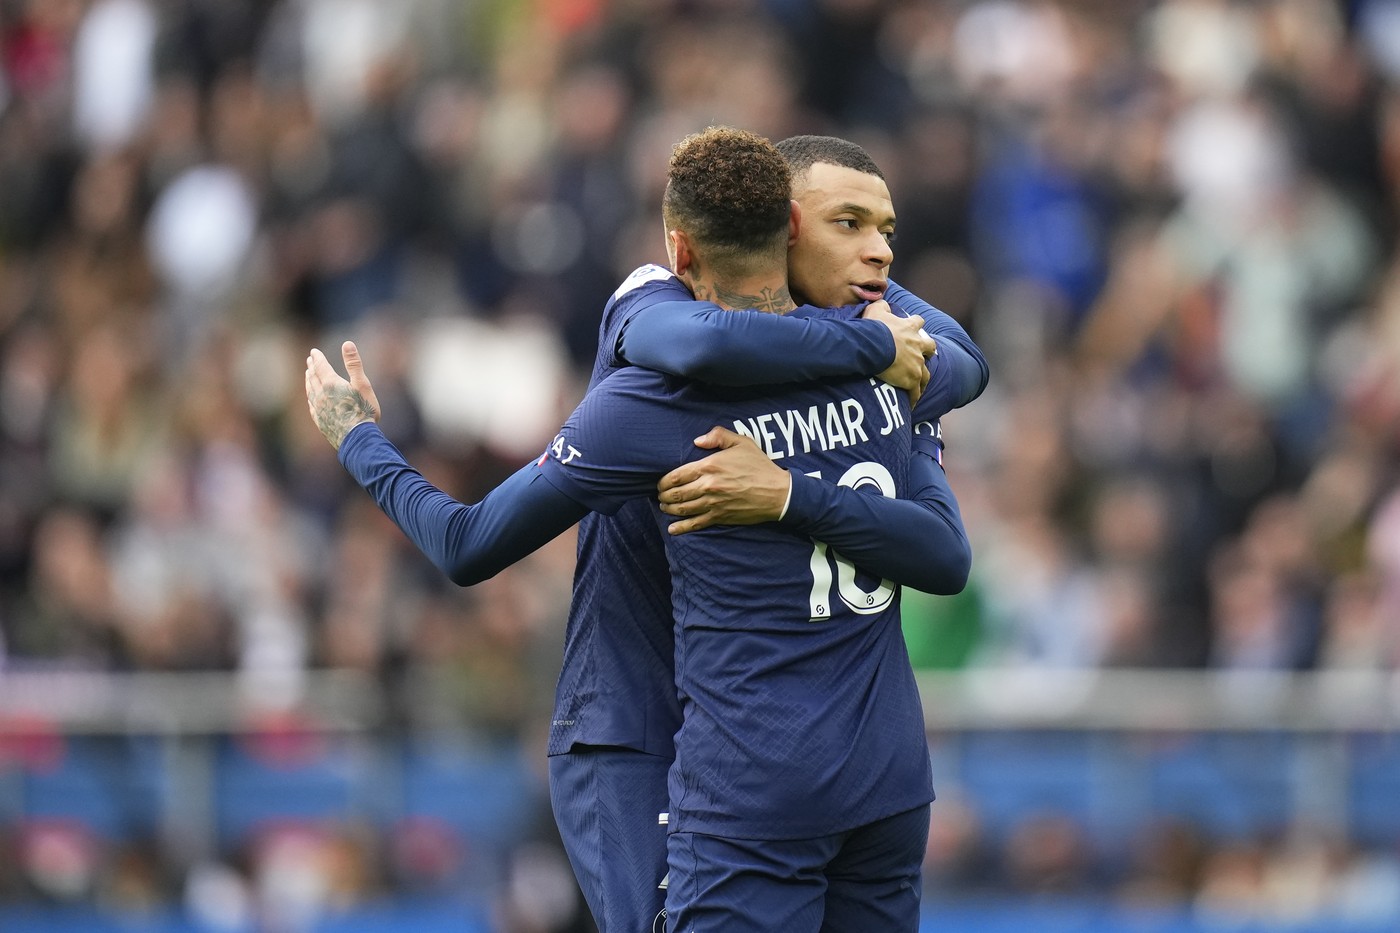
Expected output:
(337, 405)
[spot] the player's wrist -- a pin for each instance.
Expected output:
(787, 498)
(355, 433)
(804, 500)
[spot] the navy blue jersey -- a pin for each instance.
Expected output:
(801, 712)
(616, 685)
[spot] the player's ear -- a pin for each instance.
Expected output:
(794, 222)
(671, 250)
(681, 256)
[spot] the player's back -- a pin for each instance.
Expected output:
(801, 712)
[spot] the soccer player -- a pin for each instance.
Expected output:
(611, 740)
(842, 254)
(803, 727)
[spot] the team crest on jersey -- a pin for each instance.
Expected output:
(659, 924)
(640, 276)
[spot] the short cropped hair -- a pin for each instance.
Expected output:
(802, 152)
(731, 191)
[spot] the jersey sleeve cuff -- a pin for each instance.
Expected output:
(356, 437)
(788, 501)
(804, 501)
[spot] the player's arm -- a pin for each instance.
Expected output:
(959, 371)
(469, 543)
(918, 542)
(702, 341)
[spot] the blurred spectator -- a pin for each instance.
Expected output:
(113, 71)
(1048, 854)
(1164, 864)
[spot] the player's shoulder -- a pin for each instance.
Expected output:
(647, 278)
(629, 416)
(646, 285)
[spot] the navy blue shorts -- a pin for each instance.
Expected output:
(606, 802)
(863, 880)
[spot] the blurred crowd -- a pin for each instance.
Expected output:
(1268, 881)
(1170, 224)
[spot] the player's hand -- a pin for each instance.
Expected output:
(912, 348)
(736, 485)
(337, 404)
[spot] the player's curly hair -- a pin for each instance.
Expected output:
(802, 152)
(730, 190)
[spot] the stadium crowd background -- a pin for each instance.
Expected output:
(1170, 225)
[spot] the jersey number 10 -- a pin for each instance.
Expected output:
(868, 473)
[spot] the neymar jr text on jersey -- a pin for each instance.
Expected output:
(821, 427)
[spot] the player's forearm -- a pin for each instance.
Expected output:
(918, 542)
(965, 368)
(701, 341)
(469, 543)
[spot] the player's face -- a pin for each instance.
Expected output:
(842, 254)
